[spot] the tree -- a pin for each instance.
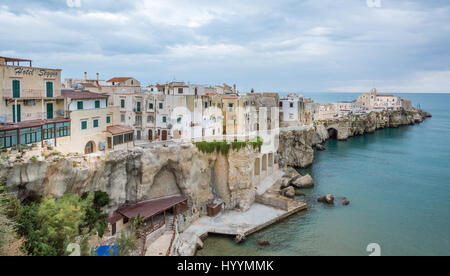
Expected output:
(126, 244)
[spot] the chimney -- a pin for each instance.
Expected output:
(234, 88)
(98, 75)
(85, 76)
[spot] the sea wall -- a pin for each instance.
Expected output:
(132, 176)
(296, 146)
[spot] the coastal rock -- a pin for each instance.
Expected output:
(304, 182)
(328, 199)
(262, 242)
(288, 192)
(345, 201)
(320, 147)
(140, 174)
(299, 194)
(295, 148)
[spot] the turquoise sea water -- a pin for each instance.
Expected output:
(398, 182)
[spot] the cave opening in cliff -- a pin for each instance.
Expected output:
(333, 133)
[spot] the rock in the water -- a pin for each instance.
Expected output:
(345, 201)
(320, 147)
(299, 194)
(328, 199)
(262, 242)
(285, 183)
(303, 182)
(288, 192)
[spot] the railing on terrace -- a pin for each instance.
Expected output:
(27, 94)
(152, 229)
(175, 230)
(27, 116)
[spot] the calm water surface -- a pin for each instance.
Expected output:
(398, 182)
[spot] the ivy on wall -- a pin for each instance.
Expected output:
(224, 148)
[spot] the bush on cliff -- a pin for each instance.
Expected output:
(50, 225)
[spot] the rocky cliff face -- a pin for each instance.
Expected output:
(296, 146)
(131, 176)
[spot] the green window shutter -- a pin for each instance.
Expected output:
(164, 119)
(80, 105)
(179, 120)
(108, 119)
(122, 103)
(160, 106)
(16, 88)
(97, 104)
(95, 123)
(49, 89)
(83, 125)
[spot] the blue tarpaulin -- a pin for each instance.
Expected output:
(107, 250)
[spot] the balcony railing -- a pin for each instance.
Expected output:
(27, 94)
(27, 116)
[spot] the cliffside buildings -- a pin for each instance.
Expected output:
(34, 110)
(92, 115)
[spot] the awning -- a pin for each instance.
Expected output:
(119, 129)
(152, 207)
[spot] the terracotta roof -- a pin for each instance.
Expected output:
(31, 123)
(118, 129)
(118, 79)
(114, 217)
(81, 95)
(385, 95)
(152, 207)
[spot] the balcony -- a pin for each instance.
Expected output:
(27, 94)
(27, 116)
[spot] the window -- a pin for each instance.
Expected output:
(291, 105)
(138, 120)
(122, 103)
(16, 88)
(180, 90)
(230, 107)
(62, 129)
(160, 105)
(108, 119)
(49, 88)
(206, 105)
(179, 120)
(149, 119)
(138, 107)
(281, 104)
(95, 123)
(84, 125)
(150, 106)
(97, 104)
(49, 131)
(79, 105)
(164, 119)
(122, 118)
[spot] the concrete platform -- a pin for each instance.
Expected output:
(160, 246)
(235, 223)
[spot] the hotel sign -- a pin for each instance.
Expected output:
(24, 71)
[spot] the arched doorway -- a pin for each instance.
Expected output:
(270, 159)
(333, 133)
(89, 148)
(150, 135)
(264, 162)
(164, 135)
(257, 166)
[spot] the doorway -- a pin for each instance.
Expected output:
(90, 147)
(49, 111)
(164, 135)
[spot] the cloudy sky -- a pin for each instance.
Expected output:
(279, 45)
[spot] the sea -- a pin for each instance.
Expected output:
(398, 183)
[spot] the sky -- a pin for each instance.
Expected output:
(278, 46)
